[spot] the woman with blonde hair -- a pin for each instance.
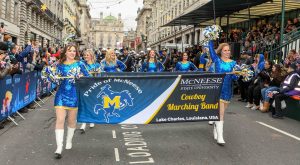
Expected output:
(93, 68)
(111, 63)
(223, 64)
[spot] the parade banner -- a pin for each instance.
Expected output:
(149, 98)
(24, 89)
(6, 96)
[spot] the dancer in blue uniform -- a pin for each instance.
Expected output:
(111, 63)
(65, 101)
(152, 64)
(93, 68)
(223, 64)
(185, 65)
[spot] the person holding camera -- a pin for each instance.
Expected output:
(16, 56)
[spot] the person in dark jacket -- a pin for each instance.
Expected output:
(165, 60)
(290, 87)
(272, 83)
(127, 60)
(254, 91)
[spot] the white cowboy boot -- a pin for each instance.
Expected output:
(69, 138)
(210, 122)
(219, 128)
(59, 134)
(215, 132)
(92, 125)
(82, 128)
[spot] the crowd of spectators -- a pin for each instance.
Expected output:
(15, 59)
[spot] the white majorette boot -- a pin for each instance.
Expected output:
(69, 138)
(210, 122)
(219, 128)
(59, 134)
(215, 131)
(82, 128)
(92, 125)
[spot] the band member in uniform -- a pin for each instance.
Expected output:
(165, 60)
(65, 102)
(184, 65)
(111, 63)
(93, 68)
(127, 60)
(152, 64)
(223, 64)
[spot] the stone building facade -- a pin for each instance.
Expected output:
(24, 19)
(164, 11)
(107, 32)
(143, 19)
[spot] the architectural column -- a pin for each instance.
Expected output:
(24, 19)
(38, 38)
(44, 42)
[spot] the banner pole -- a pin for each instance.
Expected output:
(13, 120)
(20, 115)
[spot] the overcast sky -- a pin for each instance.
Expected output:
(127, 8)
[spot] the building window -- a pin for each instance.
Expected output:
(7, 9)
(16, 12)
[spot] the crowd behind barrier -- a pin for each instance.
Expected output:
(20, 90)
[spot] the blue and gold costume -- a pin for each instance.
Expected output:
(152, 67)
(66, 94)
(93, 67)
(118, 67)
(185, 67)
(223, 67)
(202, 62)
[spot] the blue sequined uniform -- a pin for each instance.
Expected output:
(152, 67)
(223, 67)
(66, 94)
(94, 67)
(118, 67)
(203, 61)
(185, 67)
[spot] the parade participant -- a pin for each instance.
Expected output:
(185, 65)
(127, 60)
(151, 64)
(101, 55)
(111, 64)
(223, 64)
(65, 101)
(93, 68)
(165, 60)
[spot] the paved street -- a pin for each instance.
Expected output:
(248, 142)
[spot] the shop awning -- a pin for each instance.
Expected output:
(236, 9)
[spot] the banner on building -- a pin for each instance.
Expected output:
(149, 98)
